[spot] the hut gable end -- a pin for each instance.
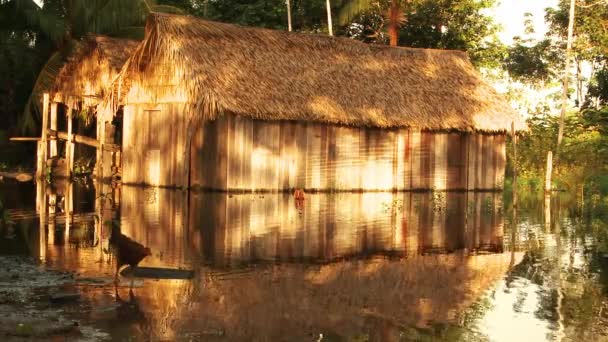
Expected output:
(93, 66)
(215, 68)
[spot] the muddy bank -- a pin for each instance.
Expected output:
(35, 301)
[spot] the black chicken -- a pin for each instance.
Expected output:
(126, 250)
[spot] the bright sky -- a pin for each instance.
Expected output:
(510, 14)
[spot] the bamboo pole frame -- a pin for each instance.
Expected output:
(69, 150)
(43, 145)
(76, 138)
(53, 120)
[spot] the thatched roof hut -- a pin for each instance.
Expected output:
(216, 68)
(90, 69)
(223, 107)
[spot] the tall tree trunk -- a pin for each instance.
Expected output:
(560, 134)
(393, 28)
(579, 84)
(329, 23)
(288, 3)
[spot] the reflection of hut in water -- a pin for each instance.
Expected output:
(224, 107)
(248, 229)
(309, 289)
(231, 230)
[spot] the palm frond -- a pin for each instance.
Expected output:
(167, 9)
(352, 9)
(130, 32)
(44, 82)
(116, 14)
(153, 6)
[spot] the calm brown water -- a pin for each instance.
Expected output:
(336, 267)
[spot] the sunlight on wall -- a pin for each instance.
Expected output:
(153, 164)
(377, 175)
(441, 161)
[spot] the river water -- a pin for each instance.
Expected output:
(334, 267)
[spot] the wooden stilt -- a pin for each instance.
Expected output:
(101, 128)
(42, 147)
(53, 120)
(39, 160)
(69, 150)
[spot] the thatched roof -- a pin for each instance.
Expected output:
(274, 75)
(92, 68)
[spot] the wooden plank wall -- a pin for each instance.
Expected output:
(238, 154)
(154, 151)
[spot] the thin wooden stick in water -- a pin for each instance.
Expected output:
(514, 218)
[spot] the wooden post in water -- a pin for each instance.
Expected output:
(101, 136)
(53, 119)
(42, 220)
(52, 205)
(43, 145)
(549, 172)
(69, 207)
(514, 136)
(514, 217)
(69, 149)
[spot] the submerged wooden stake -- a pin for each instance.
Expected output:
(514, 217)
(549, 171)
(514, 165)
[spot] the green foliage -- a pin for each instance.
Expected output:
(307, 15)
(38, 41)
(597, 93)
(590, 34)
(351, 10)
(458, 25)
(583, 156)
(261, 13)
(590, 43)
(530, 61)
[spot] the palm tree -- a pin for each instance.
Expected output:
(394, 13)
(66, 22)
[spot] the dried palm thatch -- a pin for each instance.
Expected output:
(91, 68)
(273, 75)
